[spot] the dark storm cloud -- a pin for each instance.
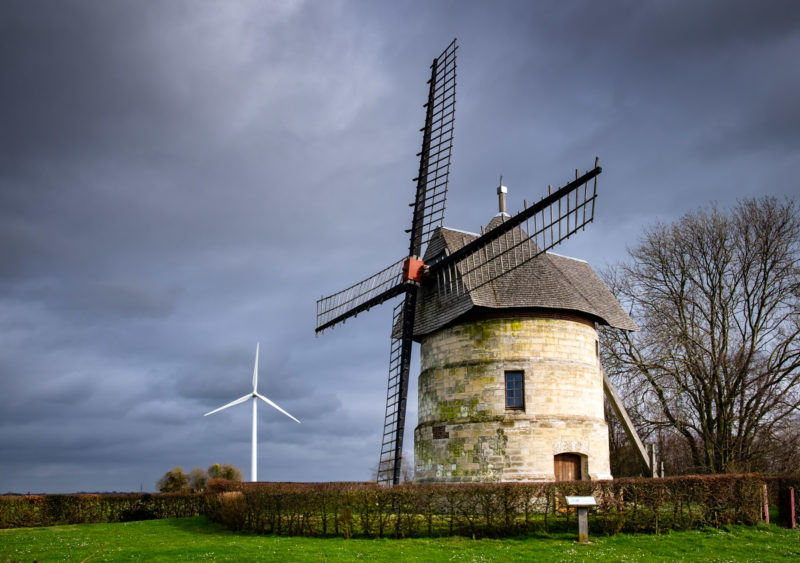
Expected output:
(179, 180)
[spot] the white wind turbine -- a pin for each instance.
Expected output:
(255, 395)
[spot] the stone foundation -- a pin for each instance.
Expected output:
(466, 434)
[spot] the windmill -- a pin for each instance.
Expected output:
(448, 282)
(255, 396)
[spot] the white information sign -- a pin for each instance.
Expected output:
(581, 501)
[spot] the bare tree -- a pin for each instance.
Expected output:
(716, 366)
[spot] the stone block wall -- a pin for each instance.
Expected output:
(465, 433)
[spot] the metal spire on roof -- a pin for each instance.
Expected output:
(501, 194)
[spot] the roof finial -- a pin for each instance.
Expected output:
(501, 194)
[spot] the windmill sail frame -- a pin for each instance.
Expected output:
(507, 247)
(429, 203)
(437, 148)
(361, 296)
(431, 195)
(398, 278)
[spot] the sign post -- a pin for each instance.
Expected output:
(582, 504)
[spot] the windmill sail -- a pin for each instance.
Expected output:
(394, 394)
(508, 246)
(437, 147)
(404, 275)
(434, 170)
(359, 297)
(429, 203)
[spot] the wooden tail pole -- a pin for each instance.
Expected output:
(647, 458)
(648, 461)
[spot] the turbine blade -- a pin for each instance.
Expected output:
(255, 371)
(236, 402)
(263, 398)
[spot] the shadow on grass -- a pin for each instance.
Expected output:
(202, 525)
(199, 525)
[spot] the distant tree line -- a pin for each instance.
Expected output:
(713, 376)
(177, 481)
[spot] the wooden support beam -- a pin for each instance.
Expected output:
(622, 414)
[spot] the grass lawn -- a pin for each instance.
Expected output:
(198, 539)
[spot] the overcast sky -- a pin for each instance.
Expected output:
(182, 179)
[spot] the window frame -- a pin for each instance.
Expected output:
(520, 390)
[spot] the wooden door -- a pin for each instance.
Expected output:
(567, 467)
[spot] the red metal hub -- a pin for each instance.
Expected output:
(413, 269)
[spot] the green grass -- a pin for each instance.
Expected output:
(198, 539)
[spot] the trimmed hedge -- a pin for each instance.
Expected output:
(50, 510)
(479, 510)
(484, 510)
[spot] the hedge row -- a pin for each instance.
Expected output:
(50, 510)
(367, 510)
(480, 510)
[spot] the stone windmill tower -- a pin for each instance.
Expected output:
(511, 386)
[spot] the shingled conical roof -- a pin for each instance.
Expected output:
(549, 282)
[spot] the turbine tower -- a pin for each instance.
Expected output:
(255, 395)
